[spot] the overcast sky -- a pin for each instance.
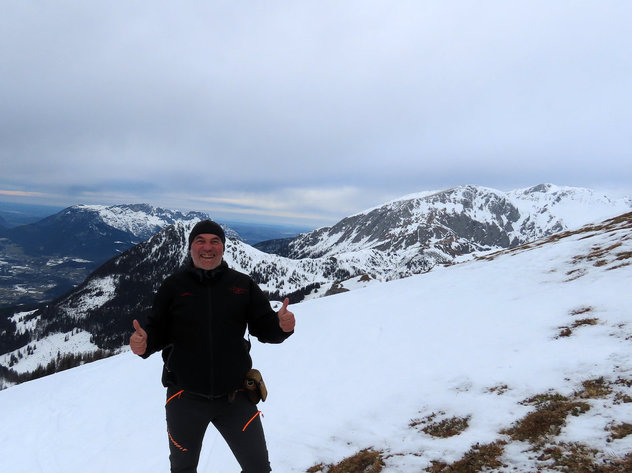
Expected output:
(309, 111)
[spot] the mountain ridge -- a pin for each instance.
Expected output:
(382, 244)
(442, 224)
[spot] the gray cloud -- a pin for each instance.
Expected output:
(288, 106)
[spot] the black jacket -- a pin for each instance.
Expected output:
(199, 320)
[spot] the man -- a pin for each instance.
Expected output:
(198, 320)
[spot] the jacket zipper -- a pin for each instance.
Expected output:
(210, 335)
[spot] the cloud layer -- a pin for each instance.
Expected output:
(312, 109)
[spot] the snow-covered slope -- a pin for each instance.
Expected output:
(373, 368)
(547, 208)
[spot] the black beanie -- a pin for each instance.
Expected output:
(207, 226)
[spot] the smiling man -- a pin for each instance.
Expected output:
(207, 250)
(198, 320)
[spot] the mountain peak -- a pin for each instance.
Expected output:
(141, 220)
(439, 225)
(540, 188)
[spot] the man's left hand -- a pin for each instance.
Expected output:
(286, 318)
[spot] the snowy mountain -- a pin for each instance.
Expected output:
(421, 230)
(515, 362)
(398, 239)
(94, 231)
(43, 260)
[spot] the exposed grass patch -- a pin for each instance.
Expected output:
(317, 468)
(564, 332)
(597, 253)
(604, 256)
(561, 456)
(617, 266)
(594, 389)
(588, 321)
(447, 427)
(624, 382)
(548, 418)
(441, 428)
(618, 431)
(567, 331)
(416, 423)
(575, 274)
(581, 310)
(499, 390)
(618, 465)
(623, 255)
(621, 397)
(624, 219)
(336, 288)
(478, 458)
(365, 461)
(569, 457)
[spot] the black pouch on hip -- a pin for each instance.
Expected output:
(255, 387)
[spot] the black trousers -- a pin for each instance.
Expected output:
(236, 419)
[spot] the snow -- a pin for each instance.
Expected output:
(98, 292)
(527, 214)
(140, 220)
(585, 205)
(47, 349)
(22, 321)
(473, 339)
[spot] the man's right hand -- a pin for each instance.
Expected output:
(138, 340)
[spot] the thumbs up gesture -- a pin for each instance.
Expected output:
(286, 318)
(138, 340)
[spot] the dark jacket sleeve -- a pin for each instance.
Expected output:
(156, 326)
(263, 322)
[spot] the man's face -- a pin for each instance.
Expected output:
(207, 251)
